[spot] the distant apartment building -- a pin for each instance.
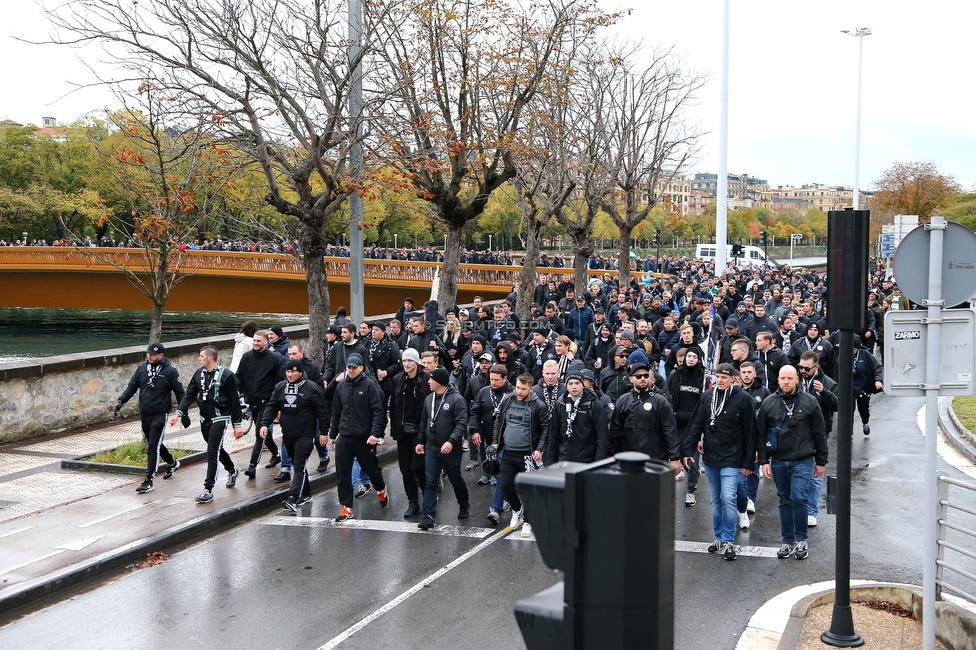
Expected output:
(684, 200)
(745, 191)
(815, 195)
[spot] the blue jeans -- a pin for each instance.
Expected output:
(816, 487)
(722, 484)
(434, 463)
(747, 488)
(793, 479)
(498, 499)
(358, 475)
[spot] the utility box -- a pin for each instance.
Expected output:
(609, 527)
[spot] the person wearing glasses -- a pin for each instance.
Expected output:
(643, 420)
(614, 380)
(814, 381)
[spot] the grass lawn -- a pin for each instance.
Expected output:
(133, 454)
(965, 410)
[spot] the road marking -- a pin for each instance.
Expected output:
(693, 547)
(118, 514)
(29, 562)
(334, 643)
(372, 524)
(14, 532)
(80, 544)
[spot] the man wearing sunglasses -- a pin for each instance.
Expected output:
(814, 381)
(643, 420)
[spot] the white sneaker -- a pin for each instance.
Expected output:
(690, 499)
(680, 475)
(526, 530)
(516, 519)
(743, 520)
(751, 507)
(811, 521)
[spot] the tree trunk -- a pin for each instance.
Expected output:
(447, 294)
(582, 249)
(623, 262)
(313, 247)
(156, 321)
(527, 280)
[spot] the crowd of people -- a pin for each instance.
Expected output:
(731, 376)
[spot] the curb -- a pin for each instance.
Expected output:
(71, 576)
(954, 429)
(78, 464)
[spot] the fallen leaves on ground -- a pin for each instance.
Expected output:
(156, 557)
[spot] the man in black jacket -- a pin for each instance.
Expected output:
(410, 389)
(578, 427)
(154, 380)
(798, 455)
(643, 420)
(312, 373)
(868, 379)
(521, 430)
(257, 375)
(442, 426)
(358, 425)
(814, 382)
(770, 358)
(303, 409)
(481, 420)
(342, 350)
(214, 389)
(723, 429)
(384, 356)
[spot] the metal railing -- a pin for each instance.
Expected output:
(239, 264)
(963, 548)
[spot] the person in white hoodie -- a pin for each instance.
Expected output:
(243, 341)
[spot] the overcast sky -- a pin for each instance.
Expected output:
(793, 78)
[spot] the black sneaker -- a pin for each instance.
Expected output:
(146, 486)
(363, 489)
(866, 429)
(464, 512)
(323, 465)
(290, 504)
(304, 500)
(251, 471)
(729, 553)
(171, 468)
(785, 551)
(716, 547)
(282, 476)
(232, 479)
(413, 509)
(426, 523)
(275, 460)
(801, 551)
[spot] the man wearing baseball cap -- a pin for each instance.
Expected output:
(442, 426)
(723, 429)
(643, 420)
(154, 380)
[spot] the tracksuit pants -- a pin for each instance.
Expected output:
(411, 468)
(346, 450)
(213, 434)
(299, 449)
(257, 410)
(153, 427)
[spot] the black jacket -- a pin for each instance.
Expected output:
(538, 421)
(303, 408)
(222, 400)
(384, 355)
(589, 439)
(444, 419)
(407, 403)
(644, 422)
(336, 362)
(358, 408)
(481, 414)
(154, 389)
(772, 360)
(535, 359)
(805, 438)
(827, 398)
(731, 442)
(257, 375)
(309, 369)
(614, 382)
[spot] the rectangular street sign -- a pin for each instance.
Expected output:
(887, 238)
(797, 235)
(888, 247)
(886, 254)
(905, 352)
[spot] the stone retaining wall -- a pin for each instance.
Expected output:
(52, 394)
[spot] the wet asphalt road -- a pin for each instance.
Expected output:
(273, 583)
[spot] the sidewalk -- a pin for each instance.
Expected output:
(60, 527)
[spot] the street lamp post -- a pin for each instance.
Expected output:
(860, 32)
(395, 241)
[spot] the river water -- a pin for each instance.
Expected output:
(26, 333)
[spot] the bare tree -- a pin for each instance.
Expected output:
(273, 75)
(464, 73)
(648, 135)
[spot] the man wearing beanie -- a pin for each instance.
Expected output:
(154, 380)
(303, 409)
(358, 425)
(279, 342)
(442, 427)
(578, 428)
(410, 389)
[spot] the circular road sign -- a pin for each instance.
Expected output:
(958, 264)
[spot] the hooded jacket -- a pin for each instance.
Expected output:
(357, 408)
(588, 439)
(303, 408)
(515, 367)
